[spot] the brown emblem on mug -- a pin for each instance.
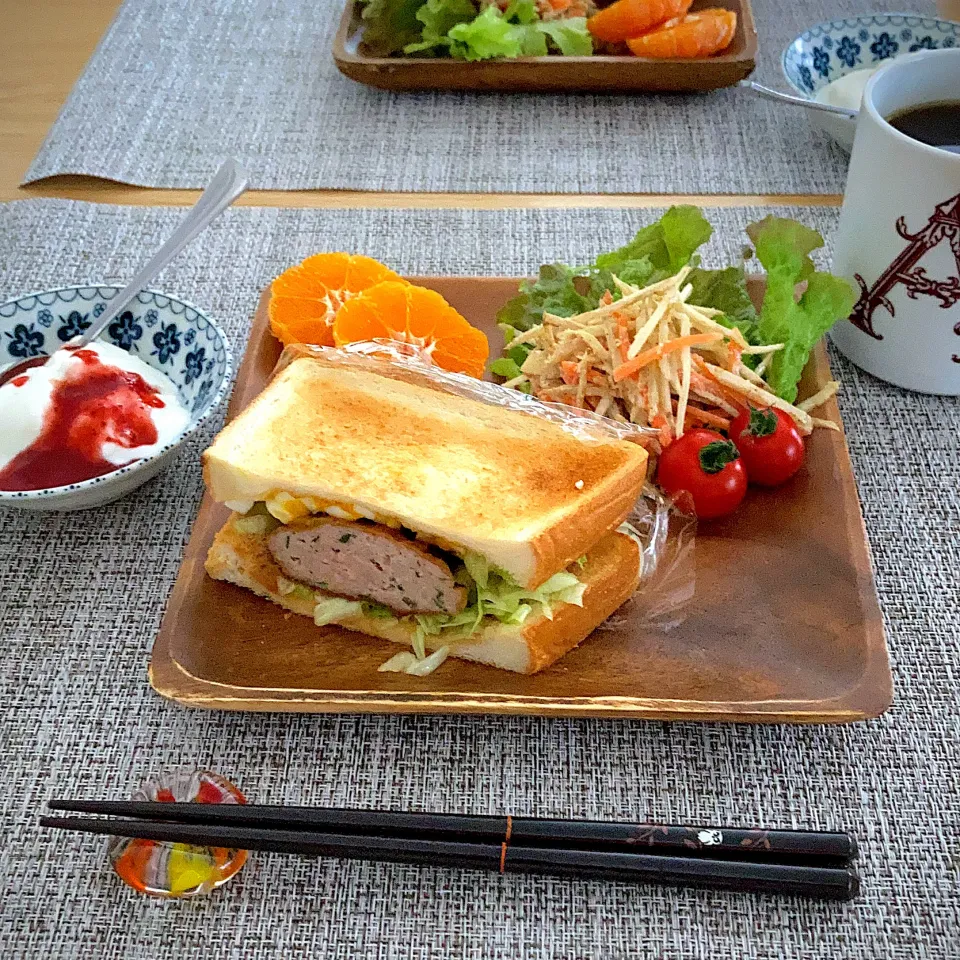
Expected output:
(942, 227)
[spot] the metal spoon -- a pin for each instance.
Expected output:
(227, 184)
(770, 94)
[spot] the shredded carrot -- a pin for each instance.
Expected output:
(698, 415)
(660, 422)
(607, 298)
(699, 382)
(714, 384)
(705, 370)
(629, 368)
(571, 375)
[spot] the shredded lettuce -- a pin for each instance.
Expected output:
(494, 595)
(478, 568)
(398, 663)
(406, 662)
(335, 609)
(421, 668)
(378, 611)
(287, 588)
(783, 247)
(491, 593)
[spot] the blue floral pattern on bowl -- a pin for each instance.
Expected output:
(23, 340)
(835, 48)
(167, 341)
(72, 325)
(193, 367)
(125, 330)
(155, 328)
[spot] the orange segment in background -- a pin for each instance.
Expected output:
(305, 299)
(629, 18)
(699, 34)
(401, 311)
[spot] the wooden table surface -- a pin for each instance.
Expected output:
(44, 46)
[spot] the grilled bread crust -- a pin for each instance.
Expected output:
(519, 490)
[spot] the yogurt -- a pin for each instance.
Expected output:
(846, 91)
(83, 414)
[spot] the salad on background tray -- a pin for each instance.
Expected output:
(488, 29)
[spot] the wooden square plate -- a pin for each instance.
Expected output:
(598, 74)
(784, 624)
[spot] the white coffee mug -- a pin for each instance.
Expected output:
(899, 236)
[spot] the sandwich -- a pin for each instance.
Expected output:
(375, 500)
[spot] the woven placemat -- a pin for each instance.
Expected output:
(175, 87)
(81, 596)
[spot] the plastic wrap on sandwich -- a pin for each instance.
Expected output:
(403, 361)
(666, 539)
(665, 536)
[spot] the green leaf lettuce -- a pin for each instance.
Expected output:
(455, 27)
(783, 247)
(657, 251)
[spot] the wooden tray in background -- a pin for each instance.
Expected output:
(556, 74)
(784, 625)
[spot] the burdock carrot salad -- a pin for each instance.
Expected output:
(645, 335)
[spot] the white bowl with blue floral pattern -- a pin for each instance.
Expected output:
(167, 333)
(836, 48)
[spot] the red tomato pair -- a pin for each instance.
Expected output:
(707, 474)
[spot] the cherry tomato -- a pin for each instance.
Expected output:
(770, 444)
(703, 470)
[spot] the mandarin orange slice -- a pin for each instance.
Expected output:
(305, 299)
(629, 18)
(401, 311)
(699, 34)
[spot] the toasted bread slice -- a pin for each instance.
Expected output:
(611, 574)
(519, 490)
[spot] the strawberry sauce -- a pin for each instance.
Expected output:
(92, 405)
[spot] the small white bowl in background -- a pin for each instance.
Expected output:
(838, 48)
(166, 333)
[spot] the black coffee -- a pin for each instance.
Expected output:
(937, 124)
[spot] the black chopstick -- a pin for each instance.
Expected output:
(835, 883)
(801, 847)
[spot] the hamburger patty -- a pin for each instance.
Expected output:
(366, 561)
